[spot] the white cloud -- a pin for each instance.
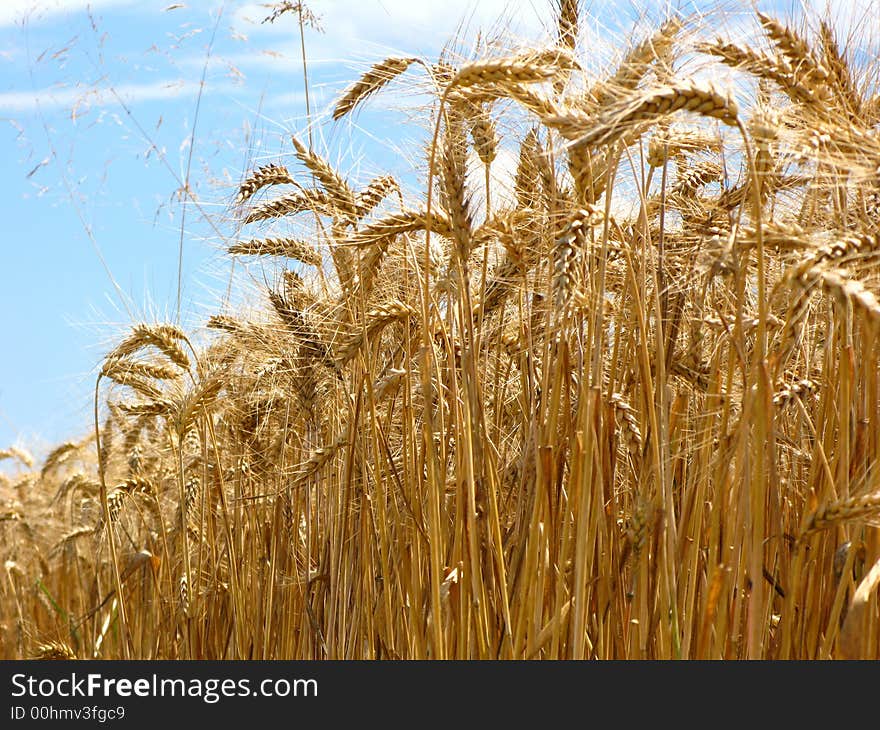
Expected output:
(35, 11)
(83, 98)
(398, 26)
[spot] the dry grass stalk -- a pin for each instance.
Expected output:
(851, 633)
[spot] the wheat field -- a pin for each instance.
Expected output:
(626, 407)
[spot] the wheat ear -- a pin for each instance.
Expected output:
(379, 76)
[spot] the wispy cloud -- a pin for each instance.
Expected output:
(396, 25)
(83, 98)
(37, 11)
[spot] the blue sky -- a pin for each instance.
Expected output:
(97, 107)
(91, 213)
